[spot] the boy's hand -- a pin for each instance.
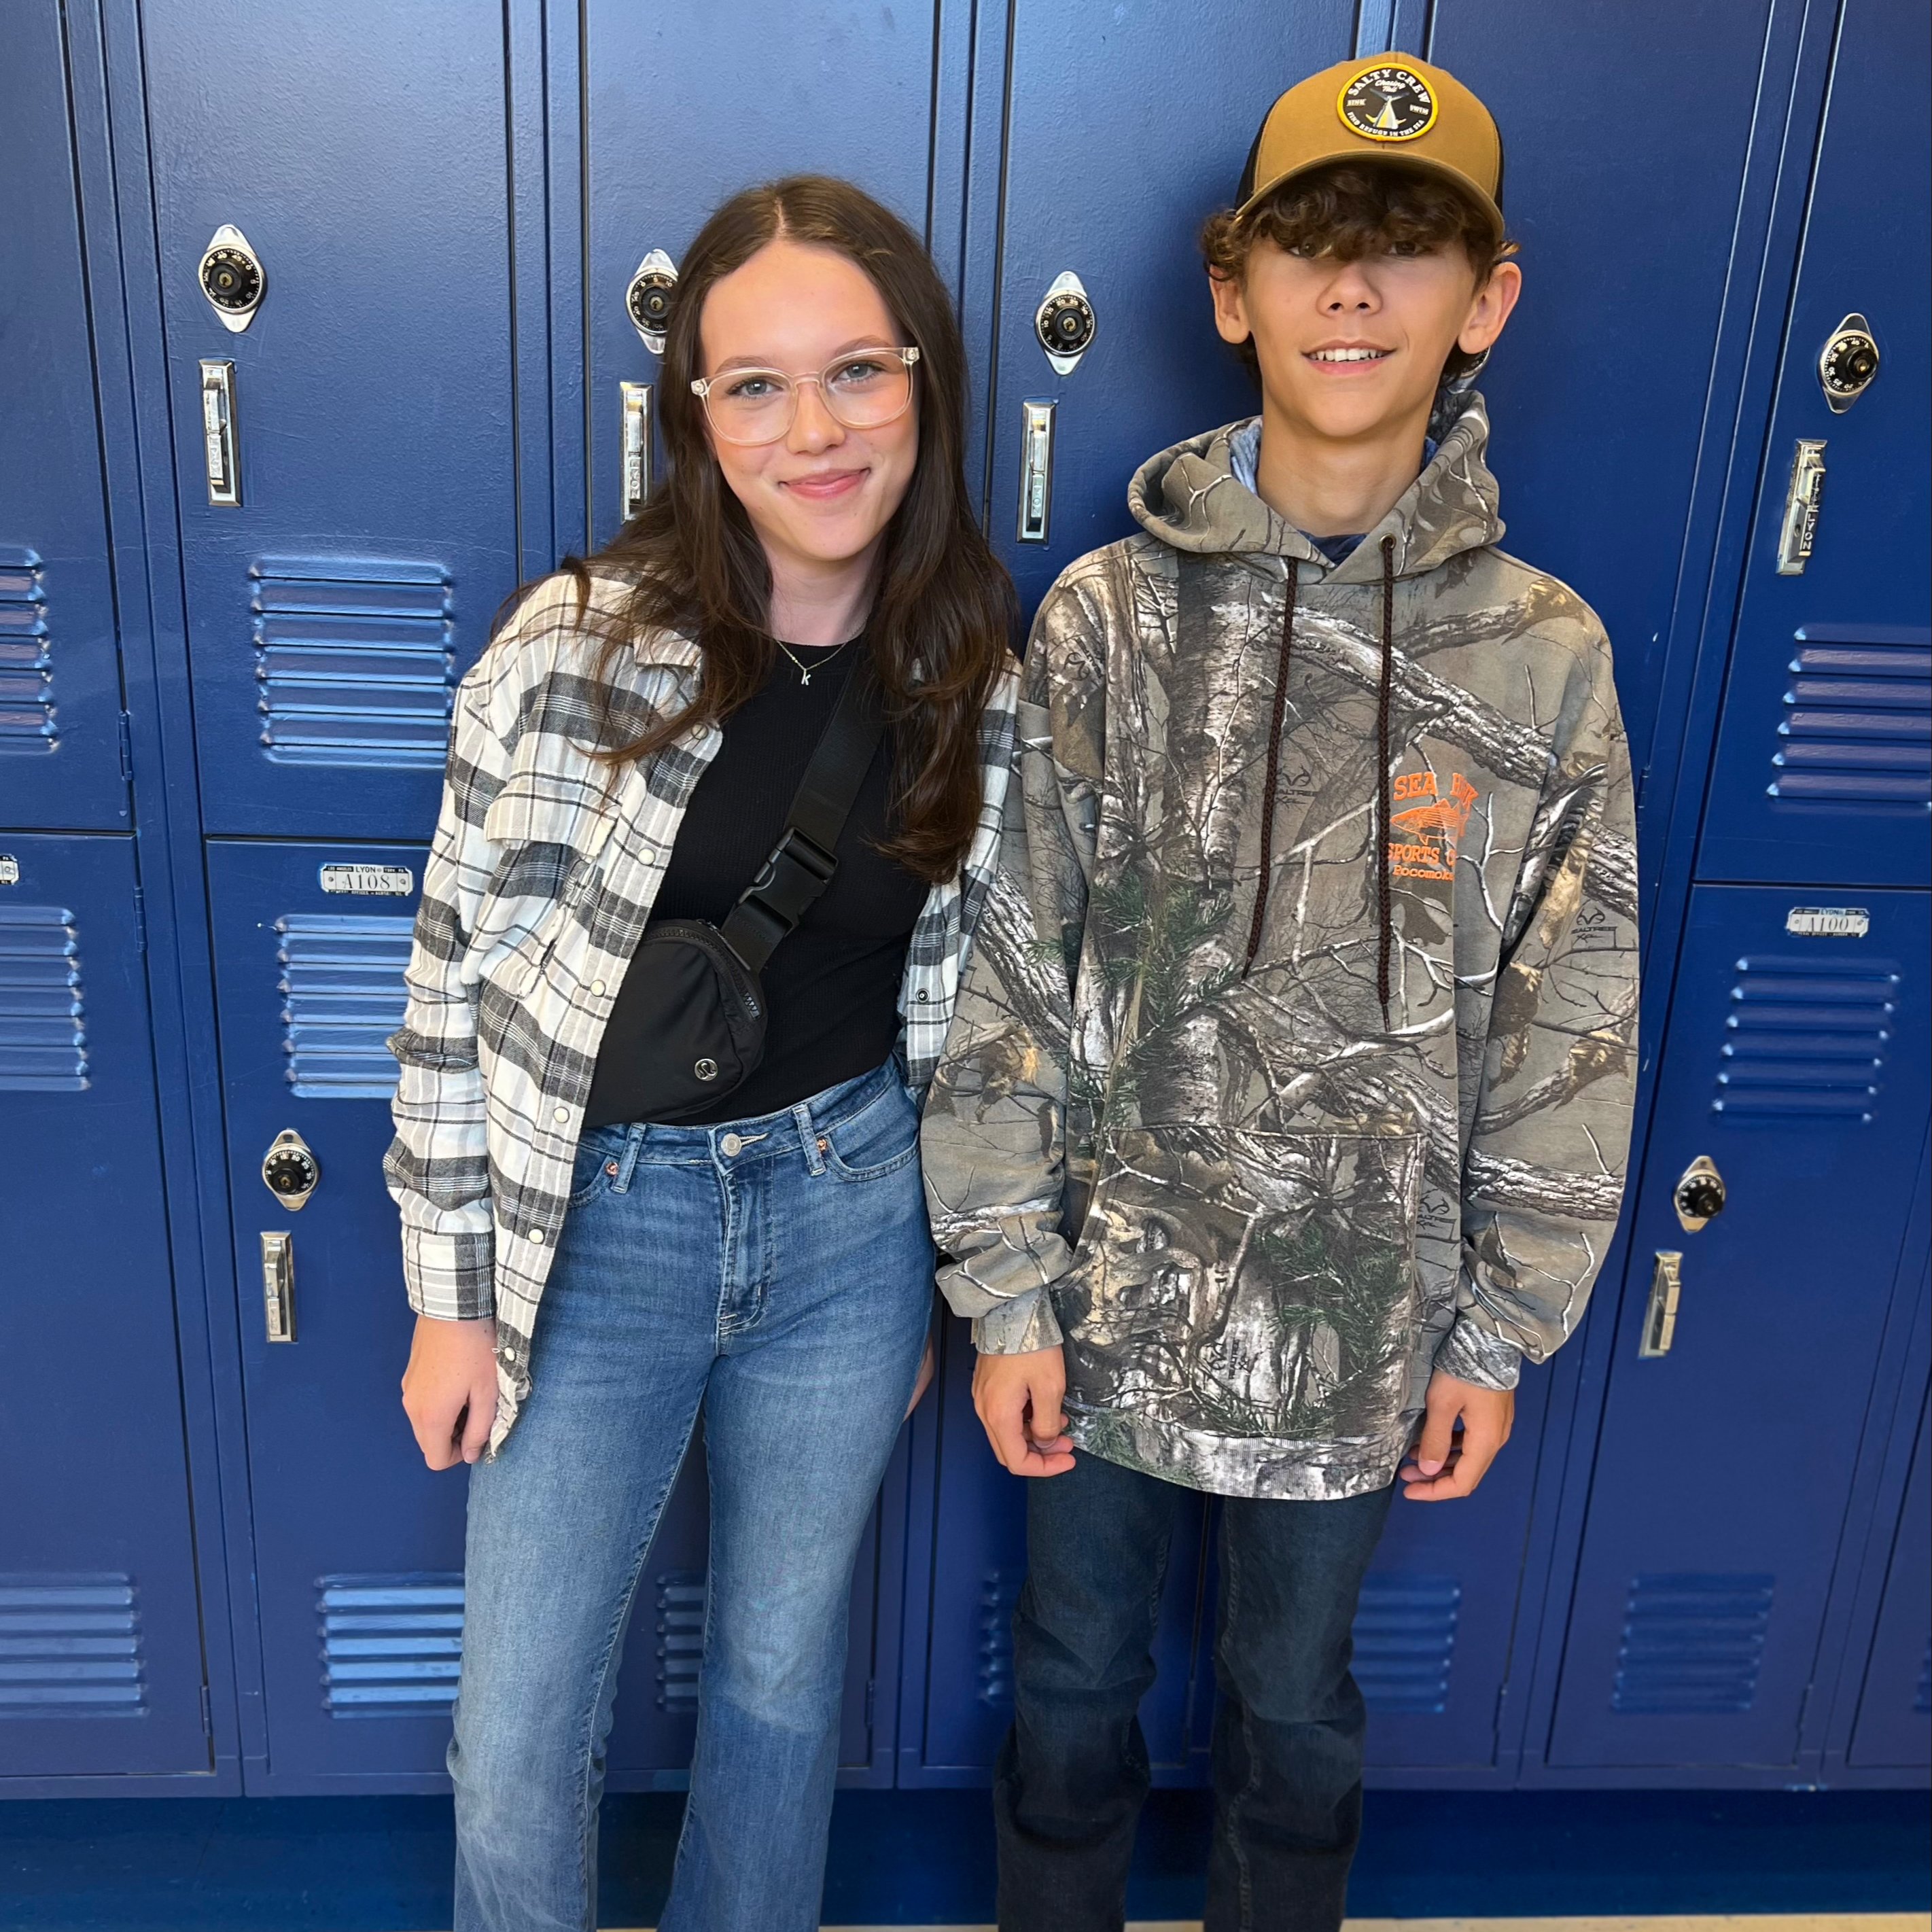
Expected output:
(1017, 1399)
(1443, 1465)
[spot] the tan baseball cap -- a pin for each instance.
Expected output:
(1380, 107)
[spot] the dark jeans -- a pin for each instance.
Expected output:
(1287, 1735)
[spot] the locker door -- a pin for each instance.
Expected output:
(60, 673)
(1616, 122)
(686, 105)
(1895, 1720)
(967, 1546)
(359, 148)
(359, 1546)
(1823, 767)
(100, 1667)
(1796, 1061)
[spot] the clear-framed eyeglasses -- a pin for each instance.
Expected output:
(864, 388)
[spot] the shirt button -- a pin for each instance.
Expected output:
(731, 1145)
(509, 1354)
(597, 985)
(561, 1114)
(536, 1235)
(921, 996)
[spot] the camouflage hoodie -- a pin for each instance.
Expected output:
(1264, 1157)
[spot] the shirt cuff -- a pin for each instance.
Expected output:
(450, 1277)
(1018, 1326)
(1474, 1354)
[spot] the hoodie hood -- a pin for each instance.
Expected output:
(1190, 497)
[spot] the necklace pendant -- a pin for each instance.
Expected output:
(804, 677)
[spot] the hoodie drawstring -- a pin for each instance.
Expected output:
(1385, 924)
(1265, 883)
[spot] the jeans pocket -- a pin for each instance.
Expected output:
(877, 1140)
(598, 1153)
(1267, 1282)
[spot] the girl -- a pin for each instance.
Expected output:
(625, 754)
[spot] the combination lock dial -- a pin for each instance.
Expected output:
(648, 298)
(1847, 363)
(1699, 1195)
(1064, 322)
(232, 278)
(290, 1171)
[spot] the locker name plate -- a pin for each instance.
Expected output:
(385, 882)
(1829, 921)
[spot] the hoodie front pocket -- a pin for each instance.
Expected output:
(1251, 1284)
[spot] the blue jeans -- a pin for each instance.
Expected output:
(1288, 1733)
(777, 1271)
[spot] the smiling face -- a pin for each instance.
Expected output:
(1353, 351)
(821, 496)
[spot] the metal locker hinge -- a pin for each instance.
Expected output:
(1660, 1316)
(1801, 499)
(634, 446)
(278, 1284)
(218, 432)
(1035, 470)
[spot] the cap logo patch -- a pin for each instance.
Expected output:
(1387, 103)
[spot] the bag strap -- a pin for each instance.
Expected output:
(801, 863)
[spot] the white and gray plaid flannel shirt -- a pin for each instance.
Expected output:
(538, 886)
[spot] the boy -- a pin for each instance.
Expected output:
(1287, 1104)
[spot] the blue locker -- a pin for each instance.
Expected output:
(1797, 1061)
(361, 151)
(674, 123)
(1823, 768)
(60, 672)
(359, 1546)
(1894, 1726)
(100, 1638)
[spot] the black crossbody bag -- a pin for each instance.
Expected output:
(693, 993)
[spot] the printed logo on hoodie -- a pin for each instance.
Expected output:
(1424, 826)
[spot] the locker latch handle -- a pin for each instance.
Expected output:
(634, 483)
(1660, 1318)
(1035, 470)
(1802, 498)
(278, 1284)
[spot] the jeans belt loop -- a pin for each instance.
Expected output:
(808, 1137)
(634, 1145)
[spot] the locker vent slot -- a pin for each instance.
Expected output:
(43, 1034)
(1691, 1645)
(1858, 718)
(999, 1591)
(1805, 1038)
(680, 1638)
(1404, 1636)
(342, 997)
(70, 1647)
(26, 668)
(391, 1645)
(354, 661)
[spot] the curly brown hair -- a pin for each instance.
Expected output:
(1349, 211)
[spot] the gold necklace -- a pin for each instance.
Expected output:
(804, 676)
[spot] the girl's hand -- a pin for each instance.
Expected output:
(449, 1389)
(923, 1381)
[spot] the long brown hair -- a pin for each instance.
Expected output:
(944, 610)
